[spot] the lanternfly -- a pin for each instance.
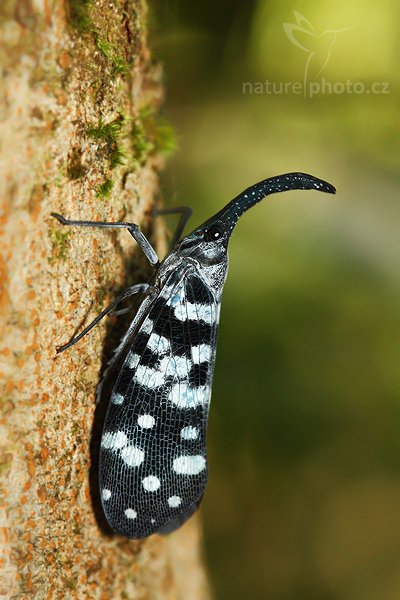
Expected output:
(153, 459)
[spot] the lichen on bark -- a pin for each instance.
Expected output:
(71, 69)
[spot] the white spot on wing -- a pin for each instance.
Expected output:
(147, 326)
(205, 313)
(184, 396)
(195, 312)
(175, 299)
(158, 343)
(133, 361)
(132, 456)
(201, 353)
(189, 465)
(190, 433)
(175, 366)
(150, 378)
(151, 483)
(106, 494)
(130, 513)
(117, 398)
(174, 501)
(114, 440)
(146, 421)
(170, 366)
(181, 311)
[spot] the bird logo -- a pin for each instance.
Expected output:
(318, 46)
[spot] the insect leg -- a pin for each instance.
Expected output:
(134, 289)
(185, 212)
(133, 229)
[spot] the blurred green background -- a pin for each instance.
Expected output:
(304, 438)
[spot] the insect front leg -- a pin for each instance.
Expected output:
(147, 249)
(133, 229)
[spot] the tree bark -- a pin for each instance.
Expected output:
(79, 136)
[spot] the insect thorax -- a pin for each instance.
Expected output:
(209, 261)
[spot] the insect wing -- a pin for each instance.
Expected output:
(153, 462)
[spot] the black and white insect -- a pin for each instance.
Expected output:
(153, 459)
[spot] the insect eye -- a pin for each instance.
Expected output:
(213, 233)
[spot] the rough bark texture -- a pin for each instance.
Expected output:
(79, 135)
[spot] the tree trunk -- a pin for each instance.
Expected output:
(79, 136)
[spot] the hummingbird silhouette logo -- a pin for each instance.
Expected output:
(318, 46)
